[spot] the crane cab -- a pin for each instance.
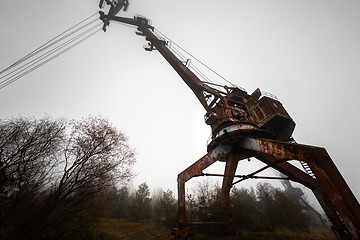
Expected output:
(239, 114)
(270, 115)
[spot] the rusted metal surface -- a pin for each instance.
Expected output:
(330, 189)
(244, 177)
(299, 176)
(288, 169)
(230, 169)
(181, 233)
(269, 114)
(327, 175)
(195, 170)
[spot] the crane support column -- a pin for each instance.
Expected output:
(334, 187)
(229, 173)
(196, 169)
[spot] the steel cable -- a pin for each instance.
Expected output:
(196, 58)
(43, 46)
(2, 85)
(29, 67)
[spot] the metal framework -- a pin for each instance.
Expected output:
(246, 126)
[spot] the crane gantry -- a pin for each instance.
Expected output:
(250, 125)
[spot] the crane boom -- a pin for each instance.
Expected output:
(195, 84)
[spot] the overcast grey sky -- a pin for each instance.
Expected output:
(305, 52)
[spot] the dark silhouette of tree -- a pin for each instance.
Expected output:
(279, 209)
(119, 203)
(265, 194)
(203, 199)
(208, 202)
(166, 207)
(289, 212)
(245, 208)
(263, 209)
(191, 206)
(54, 173)
(141, 203)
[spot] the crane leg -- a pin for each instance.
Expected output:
(326, 182)
(330, 189)
(230, 169)
(195, 169)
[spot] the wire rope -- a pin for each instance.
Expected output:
(31, 65)
(191, 66)
(16, 77)
(23, 70)
(41, 60)
(43, 46)
(45, 55)
(49, 45)
(196, 59)
(184, 59)
(178, 53)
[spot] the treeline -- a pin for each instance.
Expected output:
(262, 209)
(139, 205)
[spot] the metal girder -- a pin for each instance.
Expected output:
(329, 187)
(331, 184)
(230, 169)
(299, 176)
(196, 170)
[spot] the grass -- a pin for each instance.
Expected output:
(314, 233)
(116, 229)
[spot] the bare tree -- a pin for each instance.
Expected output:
(28, 157)
(209, 202)
(28, 154)
(54, 173)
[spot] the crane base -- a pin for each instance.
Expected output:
(181, 234)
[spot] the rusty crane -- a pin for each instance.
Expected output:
(250, 125)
